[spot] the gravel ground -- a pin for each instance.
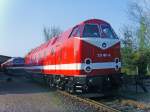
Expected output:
(139, 95)
(23, 95)
(130, 99)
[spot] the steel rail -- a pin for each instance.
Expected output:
(101, 107)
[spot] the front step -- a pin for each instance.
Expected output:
(78, 91)
(78, 86)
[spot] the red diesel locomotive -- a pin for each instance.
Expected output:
(85, 58)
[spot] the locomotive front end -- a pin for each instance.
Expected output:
(100, 56)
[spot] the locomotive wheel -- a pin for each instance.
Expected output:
(62, 86)
(70, 88)
(50, 82)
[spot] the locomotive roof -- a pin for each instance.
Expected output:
(96, 21)
(66, 34)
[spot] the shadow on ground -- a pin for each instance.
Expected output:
(19, 84)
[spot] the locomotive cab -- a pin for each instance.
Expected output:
(100, 44)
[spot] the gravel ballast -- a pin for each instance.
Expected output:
(19, 94)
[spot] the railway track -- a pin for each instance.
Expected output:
(99, 106)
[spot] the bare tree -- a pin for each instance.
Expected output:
(53, 31)
(139, 13)
(127, 34)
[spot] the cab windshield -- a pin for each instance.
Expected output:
(95, 30)
(107, 32)
(91, 30)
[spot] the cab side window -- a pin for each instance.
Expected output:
(75, 32)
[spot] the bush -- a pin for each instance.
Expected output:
(135, 60)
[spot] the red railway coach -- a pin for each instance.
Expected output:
(82, 59)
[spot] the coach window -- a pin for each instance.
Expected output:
(34, 59)
(31, 61)
(75, 32)
(45, 53)
(52, 51)
(91, 30)
(39, 56)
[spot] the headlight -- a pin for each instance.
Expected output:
(117, 60)
(88, 61)
(87, 69)
(116, 67)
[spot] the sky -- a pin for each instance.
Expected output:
(22, 21)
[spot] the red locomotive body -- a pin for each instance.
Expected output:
(86, 56)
